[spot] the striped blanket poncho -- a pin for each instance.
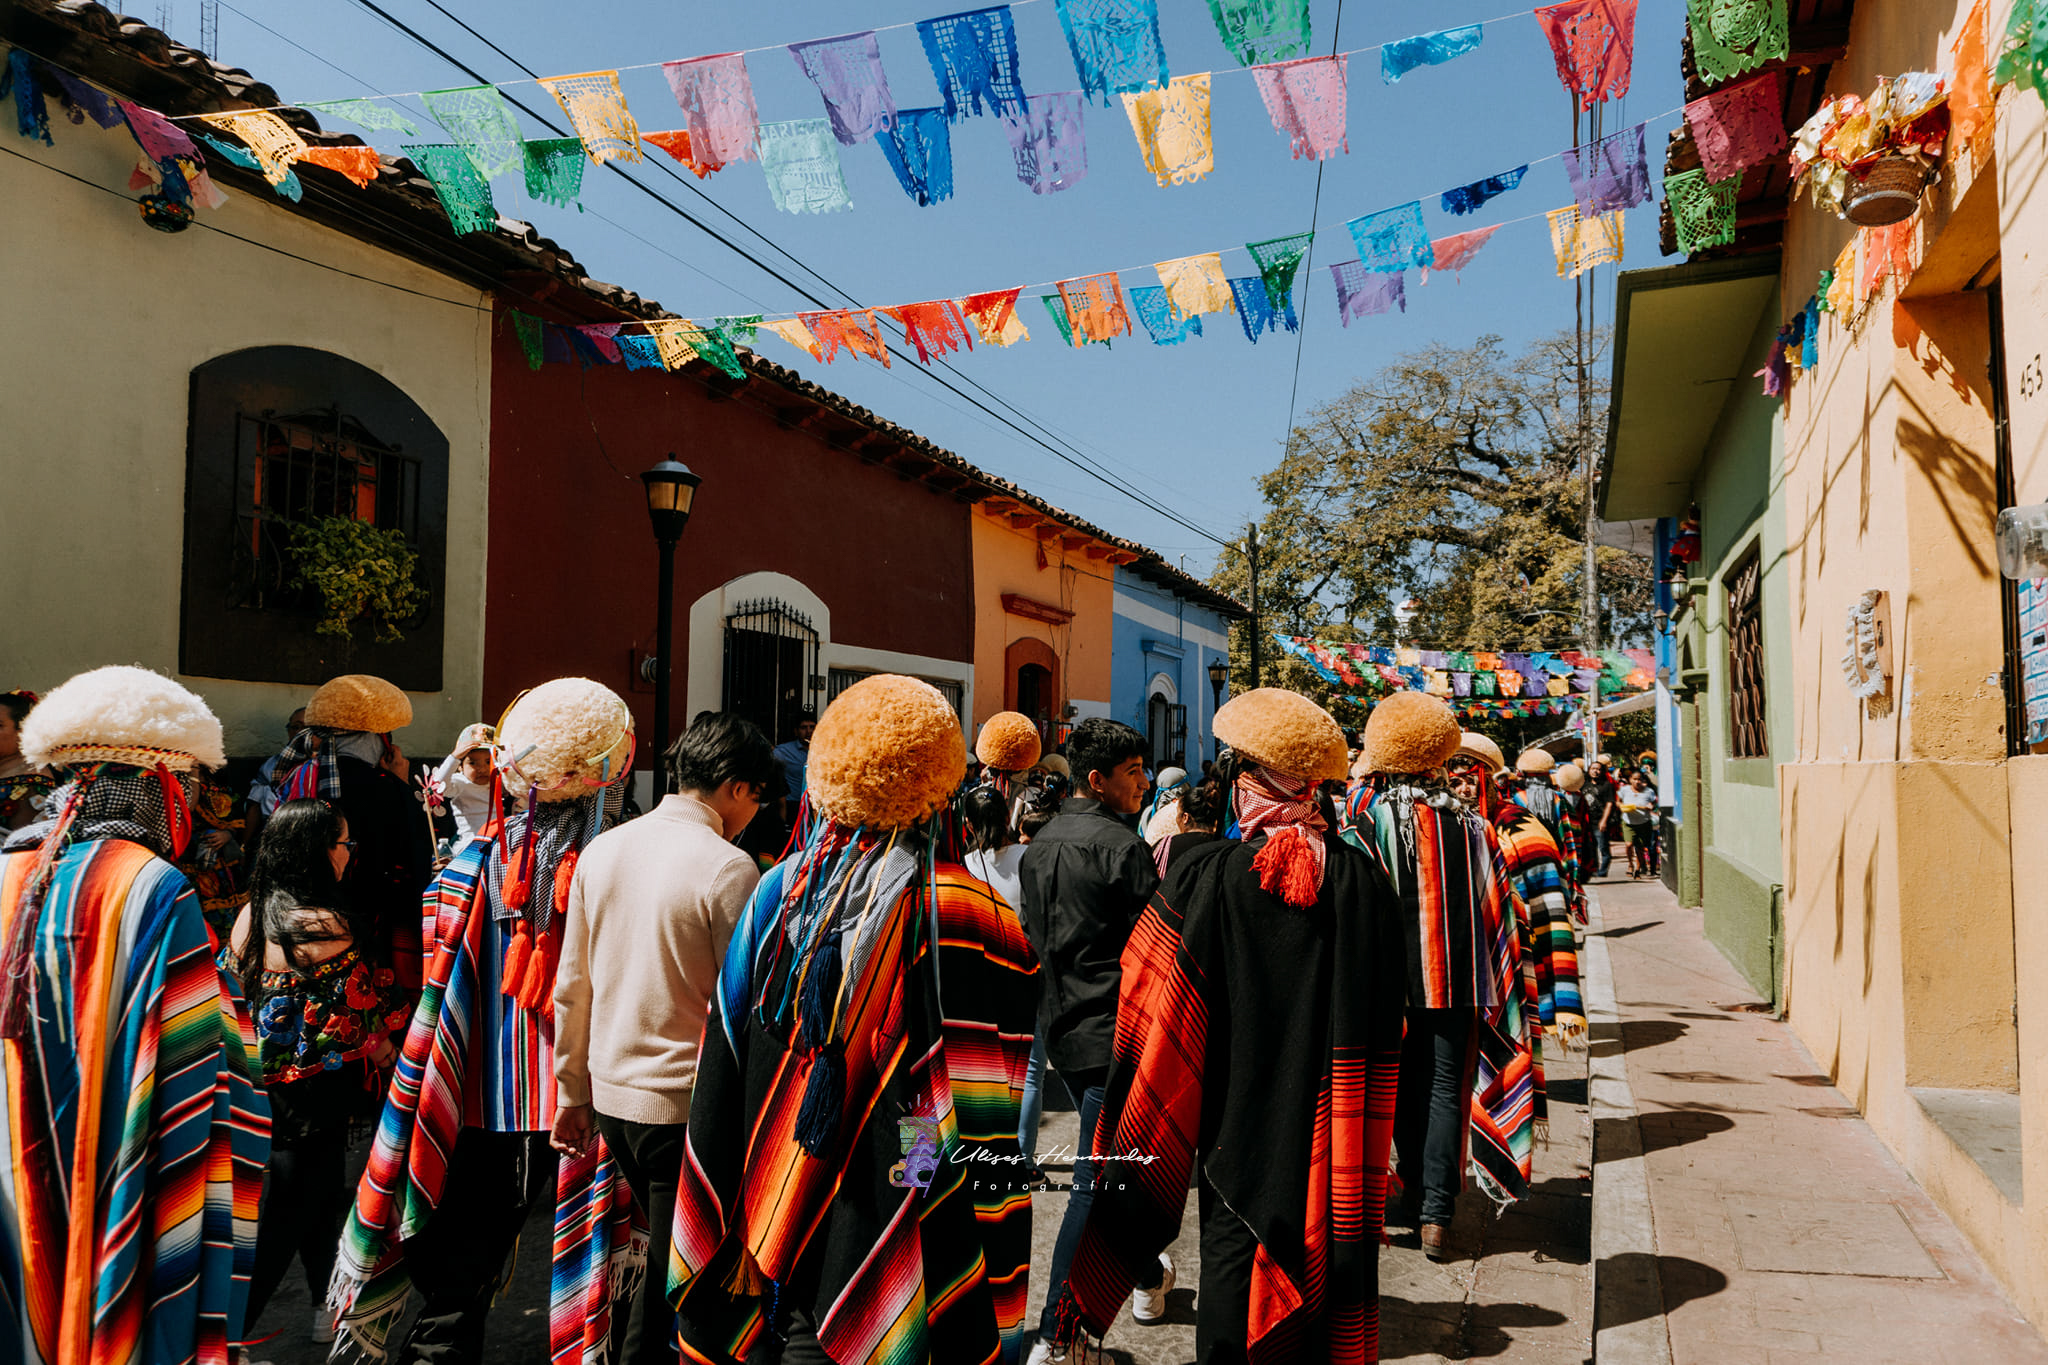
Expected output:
(1536, 868)
(907, 1237)
(137, 1136)
(1258, 1042)
(1464, 946)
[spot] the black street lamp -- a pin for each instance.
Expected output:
(671, 488)
(1219, 673)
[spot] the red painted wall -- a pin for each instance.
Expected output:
(572, 560)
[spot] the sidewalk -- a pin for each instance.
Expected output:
(1778, 1228)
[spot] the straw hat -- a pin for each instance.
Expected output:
(1284, 731)
(887, 753)
(1476, 745)
(1008, 742)
(1569, 777)
(1535, 761)
(477, 735)
(357, 701)
(1409, 732)
(566, 738)
(122, 715)
(1057, 763)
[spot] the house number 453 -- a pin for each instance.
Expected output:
(2032, 378)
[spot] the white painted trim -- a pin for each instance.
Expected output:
(1162, 682)
(1145, 614)
(1088, 710)
(704, 689)
(916, 665)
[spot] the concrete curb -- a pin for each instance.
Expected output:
(1628, 1296)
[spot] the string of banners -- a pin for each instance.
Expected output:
(1561, 676)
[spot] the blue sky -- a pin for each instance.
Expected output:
(1192, 425)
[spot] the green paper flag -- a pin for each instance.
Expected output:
(463, 193)
(529, 330)
(367, 114)
(1730, 37)
(554, 171)
(1277, 261)
(478, 118)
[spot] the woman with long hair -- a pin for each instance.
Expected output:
(325, 1018)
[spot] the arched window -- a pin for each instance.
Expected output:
(771, 666)
(280, 436)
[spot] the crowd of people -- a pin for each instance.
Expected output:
(783, 1092)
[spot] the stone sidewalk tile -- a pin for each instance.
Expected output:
(1785, 1231)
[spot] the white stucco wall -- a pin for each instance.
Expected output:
(105, 319)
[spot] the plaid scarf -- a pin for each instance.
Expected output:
(1285, 809)
(307, 766)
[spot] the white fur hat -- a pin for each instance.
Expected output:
(558, 736)
(121, 714)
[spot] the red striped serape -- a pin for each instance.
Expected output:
(600, 1253)
(931, 1042)
(1536, 868)
(1443, 866)
(136, 1136)
(1289, 1113)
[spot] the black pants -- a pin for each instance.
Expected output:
(304, 1200)
(1223, 1312)
(650, 1157)
(458, 1260)
(1432, 1106)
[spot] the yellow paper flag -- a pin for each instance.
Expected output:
(1582, 243)
(597, 109)
(1172, 125)
(672, 338)
(271, 140)
(1842, 289)
(795, 333)
(1195, 285)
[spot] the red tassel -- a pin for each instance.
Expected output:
(518, 957)
(565, 873)
(541, 975)
(495, 826)
(519, 877)
(177, 814)
(1287, 866)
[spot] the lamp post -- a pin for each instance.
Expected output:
(671, 488)
(1219, 671)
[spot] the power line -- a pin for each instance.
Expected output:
(1074, 459)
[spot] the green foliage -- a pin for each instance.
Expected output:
(361, 574)
(1454, 478)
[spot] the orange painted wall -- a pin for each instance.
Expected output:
(1007, 560)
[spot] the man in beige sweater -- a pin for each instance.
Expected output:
(650, 911)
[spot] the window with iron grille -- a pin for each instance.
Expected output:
(1748, 728)
(280, 436)
(839, 679)
(771, 666)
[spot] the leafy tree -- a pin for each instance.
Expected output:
(1453, 479)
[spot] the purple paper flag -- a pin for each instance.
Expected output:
(86, 99)
(1362, 292)
(1049, 142)
(717, 100)
(848, 72)
(160, 138)
(1609, 174)
(602, 335)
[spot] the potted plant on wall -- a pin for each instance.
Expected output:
(359, 576)
(1869, 161)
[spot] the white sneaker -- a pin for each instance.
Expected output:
(1042, 1354)
(1149, 1305)
(323, 1326)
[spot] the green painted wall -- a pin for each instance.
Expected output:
(1739, 493)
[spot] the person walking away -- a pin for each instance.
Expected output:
(651, 910)
(1603, 790)
(261, 802)
(1007, 746)
(870, 1017)
(461, 1154)
(1036, 808)
(1570, 780)
(1464, 1057)
(328, 1020)
(1260, 1032)
(22, 787)
(467, 781)
(1086, 879)
(346, 755)
(994, 854)
(126, 1240)
(1638, 804)
(1161, 817)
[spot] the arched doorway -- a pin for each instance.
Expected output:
(1031, 685)
(1166, 724)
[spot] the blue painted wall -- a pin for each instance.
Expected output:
(1159, 632)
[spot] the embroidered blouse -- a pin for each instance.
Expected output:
(335, 1012)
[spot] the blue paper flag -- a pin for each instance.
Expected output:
(641, 353)
(1255, 308)
(1392, 239)
(974, 60)
(1399, 58)
(1468, 198)
(1115, 44)
(920, 150)
(1149, 303)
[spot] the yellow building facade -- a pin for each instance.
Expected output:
(1044, 608)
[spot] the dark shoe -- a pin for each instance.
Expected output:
(1436, 1242)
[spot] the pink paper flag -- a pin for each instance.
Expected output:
(601, 334)
(1737, 126)
(718, 99)
(1456, 252)
(1306, 100)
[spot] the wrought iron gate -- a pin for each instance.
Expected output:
(771, 666)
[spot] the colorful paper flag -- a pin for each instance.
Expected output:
(1612, 173)
(919, 148)
(855, 330)
(800, 159)
(1115, 44)
(1738, 125)
(1392, 239)
(1362, 292)
(717, 100)
(1307, 99)
(1702, 213)
(678, 145)
(1049, 142)
(527, 328)
(274, 143)
(1399, 58)
(464, 194)
(1278, 258)
(1582, 243)
(1172, 126)
(848, 73)
(604, 336)
(597, 111)
(1260, 31)
(481, 123)
(934, 328)
(796, 334)
(372, 114)
(1095, 306)
(974, 60)
(1841, 293)
(159, 138)
(554, 171)
(1730, 37)
(1149, 302)
(1593, 43)
(1467, 198)
(994, 316)
(640, 352)
(1255, 311)
(1455, 252)
(359, 164)
(1195, 285)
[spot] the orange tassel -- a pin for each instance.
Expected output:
(519, 877)
(1287, 866)
(542, 973)
(564, 875)
(518, 956)
(745, 1278)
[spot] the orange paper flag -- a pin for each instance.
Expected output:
(1095, 306)
(855, 329)
(994, 315)
(357, 163)
(677, 145)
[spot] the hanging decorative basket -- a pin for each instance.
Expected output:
(1885, 191)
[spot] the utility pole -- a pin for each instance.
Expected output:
(1258, 630)
(1589, 577)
